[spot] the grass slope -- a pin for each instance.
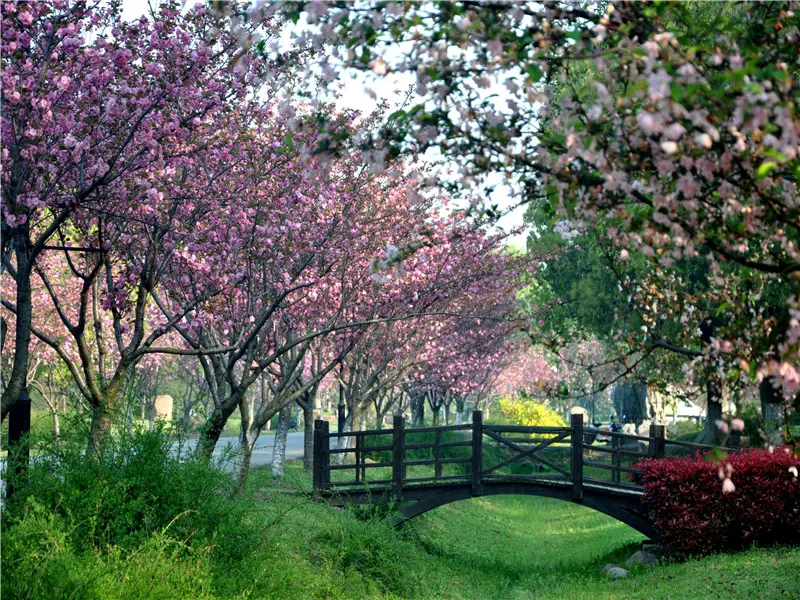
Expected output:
(142, 523)
(514, 547)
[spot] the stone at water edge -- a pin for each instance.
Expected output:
(646, 559)
(617, 573)
(607, 568)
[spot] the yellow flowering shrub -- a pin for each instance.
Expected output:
(530, 413)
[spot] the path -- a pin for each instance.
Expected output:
(262, 453)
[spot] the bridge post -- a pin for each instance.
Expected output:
(477, 452)
(576, 463)
(398, 455)
(317, 464)
(326, 455)
(657, 440)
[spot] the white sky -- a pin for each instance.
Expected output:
(392, 89)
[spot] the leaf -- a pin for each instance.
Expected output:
(535, 72)
(766, 168)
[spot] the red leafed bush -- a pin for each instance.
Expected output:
(686, 503)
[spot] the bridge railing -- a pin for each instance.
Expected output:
(390, 461)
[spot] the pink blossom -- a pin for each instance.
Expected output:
(669, 147)
(649, 122)
(727, 486)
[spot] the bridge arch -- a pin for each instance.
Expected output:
(626, 509)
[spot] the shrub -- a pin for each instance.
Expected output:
(530, 412)
(750, 413)
(136, 487)
(684, 430)
(686, 503)
(39, 562)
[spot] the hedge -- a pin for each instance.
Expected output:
(688, 508)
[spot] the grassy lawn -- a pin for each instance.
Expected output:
(515, 547)
(92, 532)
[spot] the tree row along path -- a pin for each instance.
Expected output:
(427, 467)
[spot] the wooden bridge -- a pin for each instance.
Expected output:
(426, 467)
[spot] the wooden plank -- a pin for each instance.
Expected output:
(365, 449)
(576, 460)
(477, 451)
(336, 434)
(700, 447)
(437, 428)
(624, 436)
(616, 468)
(525, 429)
(540, 479)
(620, 451)
(525, 440)
(616, 459)
(358, 466)
(463, 478)
(433, 461)
(398, 455)
(617, 486)
(429, 446)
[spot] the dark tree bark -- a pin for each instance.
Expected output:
(771, 401)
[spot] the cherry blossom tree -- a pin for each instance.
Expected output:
(687, 146)
(98, 132)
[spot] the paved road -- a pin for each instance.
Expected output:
(262, 453)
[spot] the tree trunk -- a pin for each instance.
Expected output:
(56, 425)
(308, 434)
(435, 417)
(279, 445)
(711, 433)
(771, 410)
(344, 441)
(100, 429)
(22, 334)
(447, 414)
(212, 431)
(247, 441)
(418, 417)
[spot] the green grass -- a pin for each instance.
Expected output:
(147, 525)
(519, 547)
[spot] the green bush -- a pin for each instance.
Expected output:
(750, 413)
(41, 560)
(138, 485)
(371, 551)
(685, 431)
